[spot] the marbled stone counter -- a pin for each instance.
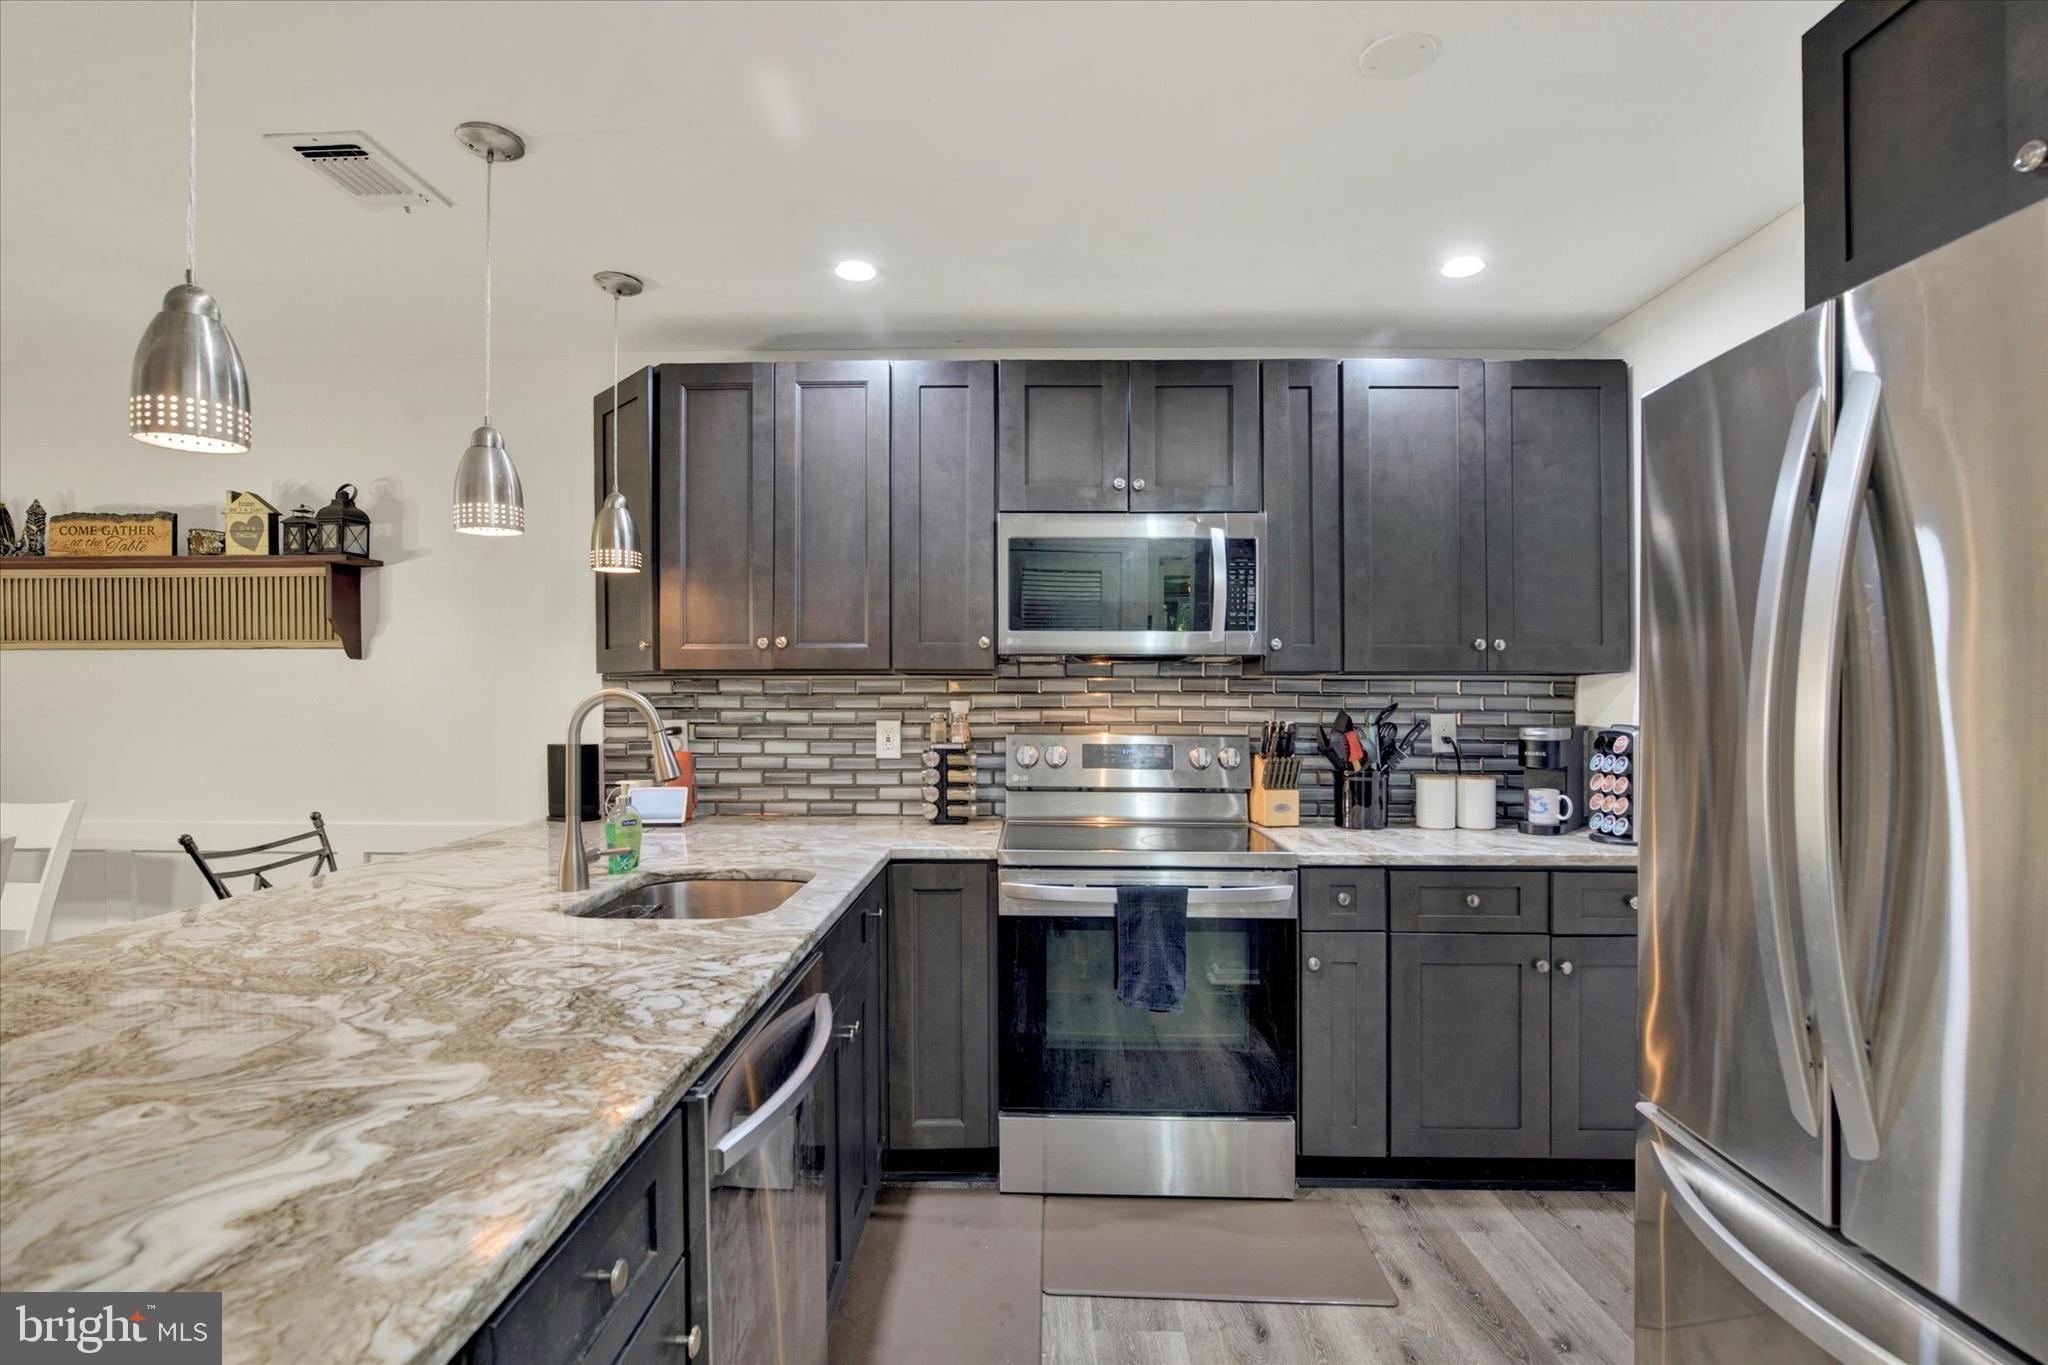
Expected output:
(1324, 845)
(362, 1107)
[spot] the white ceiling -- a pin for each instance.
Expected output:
(1025, 175)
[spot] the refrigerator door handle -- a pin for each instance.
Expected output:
(1771, 886)
(1815, 794)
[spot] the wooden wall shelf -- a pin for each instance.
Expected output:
(184, 602)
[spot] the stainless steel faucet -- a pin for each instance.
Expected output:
(575, 862)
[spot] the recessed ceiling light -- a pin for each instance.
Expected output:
(1458, 267)
(858, 271)
(1396, 55)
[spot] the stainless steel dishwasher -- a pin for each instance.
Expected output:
(758, 1207)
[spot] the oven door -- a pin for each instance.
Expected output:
(1067, 1047)
(1116, 583)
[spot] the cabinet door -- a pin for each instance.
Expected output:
(942, 552)
(716, 524)
(1469, 1025)
(1414, 515)
(1915, 114)
(625, 601)
(1304, 561)
(852, 1166)
(1062, 441)
(832, 514)
(941, 1006)
(1557, 516)
(1344, 1044)
(1195, 436)
(1593, 1047)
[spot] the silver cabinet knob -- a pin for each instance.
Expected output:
(1274, 642)
(848, 1032)
(1137, 485)
(1631, 902)
(2029, 158)
(1343, 898)
(761, 642)
(1472, 900)
(646, 644)
(1117, 482)
(1542, 964)
(1315, 964)
(1499, 645)
(1480, 644)
(782, 642)
(1565, 967)
(615, 1278)
(691, 1344)
(982, 643)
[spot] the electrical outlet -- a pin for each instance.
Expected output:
(888, 739)
(1443, 732)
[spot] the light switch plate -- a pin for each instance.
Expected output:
(888, 739)
(1443, 732)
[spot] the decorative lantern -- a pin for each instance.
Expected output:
(344, 527)
(301, 532)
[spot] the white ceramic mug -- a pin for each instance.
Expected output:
(1548, 806)
(1436, 801)
(1476, 802)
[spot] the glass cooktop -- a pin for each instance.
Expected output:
(1062, 843)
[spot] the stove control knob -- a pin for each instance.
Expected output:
(1229, 757)
(1055, 755)
(1026, 755)
(1200, 758)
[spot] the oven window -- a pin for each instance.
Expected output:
(1068, 1046)
(1119, 583)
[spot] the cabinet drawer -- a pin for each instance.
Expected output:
(1462, 901)
(560, 1312)
(1593, 903)
(854, 939)
(1343, 898)
(663, 1336)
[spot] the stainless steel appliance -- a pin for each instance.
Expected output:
(1842, 1015)
(1612, 775)
(1174, 584)
(1096, 1097)
(1554, 759)
(757, 1212)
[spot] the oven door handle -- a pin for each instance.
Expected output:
(1204, 902)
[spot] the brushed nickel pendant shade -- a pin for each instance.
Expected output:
(187, 389)
(614, 539)
(488, 500)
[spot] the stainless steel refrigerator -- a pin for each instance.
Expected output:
(1844, 962)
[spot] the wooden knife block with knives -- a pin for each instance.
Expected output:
(1275, 804)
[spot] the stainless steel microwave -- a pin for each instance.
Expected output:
(1158, 584)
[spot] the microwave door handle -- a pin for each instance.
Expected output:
(1219, 584)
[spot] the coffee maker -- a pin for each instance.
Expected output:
(1554, 757)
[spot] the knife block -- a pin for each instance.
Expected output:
(1274, 807)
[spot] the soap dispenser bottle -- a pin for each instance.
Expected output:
(621, 831)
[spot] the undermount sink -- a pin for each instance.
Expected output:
(695, 898)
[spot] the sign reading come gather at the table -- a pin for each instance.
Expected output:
(104, 535)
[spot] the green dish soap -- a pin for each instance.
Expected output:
(621, 832)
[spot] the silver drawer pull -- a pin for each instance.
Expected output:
(1343, 898)
(1472, 900)
(1631, 902)
(1315, 964)
(1542, 965)
(691, 1344)
(617, 1277)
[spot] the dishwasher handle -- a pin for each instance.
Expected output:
(741, 1141)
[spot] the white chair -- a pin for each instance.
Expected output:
(25, 906)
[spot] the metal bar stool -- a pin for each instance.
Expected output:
(323, 853)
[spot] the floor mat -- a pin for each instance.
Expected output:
(1241, 1250)
(944, 1275)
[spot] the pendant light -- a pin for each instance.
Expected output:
(488, 500)
(614, 540)
(187, 389)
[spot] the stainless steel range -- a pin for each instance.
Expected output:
(1098, 1097)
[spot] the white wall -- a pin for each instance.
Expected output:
(1755, 284)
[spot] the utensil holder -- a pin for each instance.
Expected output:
(1362, 800)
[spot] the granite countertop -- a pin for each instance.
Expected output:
(363, 1106)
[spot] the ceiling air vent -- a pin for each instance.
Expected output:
(361, 169)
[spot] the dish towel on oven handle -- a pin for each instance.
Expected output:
(1152, 947)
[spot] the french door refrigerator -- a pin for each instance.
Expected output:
(1844, 965)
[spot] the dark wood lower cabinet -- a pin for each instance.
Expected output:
(853, 1088)
(1469, 1028)
(1592, 1047)
(941, 1007)
(1343, 1044)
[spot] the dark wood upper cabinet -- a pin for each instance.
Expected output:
(832, 514)
(1194, 436)
(1063, 441)
(1304, 517)
(942, 453)
(1415, 498)
(1558, 514)
(626, 615)
(715, 524)
(1917, 117)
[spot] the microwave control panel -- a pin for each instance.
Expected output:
(1241, 562)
